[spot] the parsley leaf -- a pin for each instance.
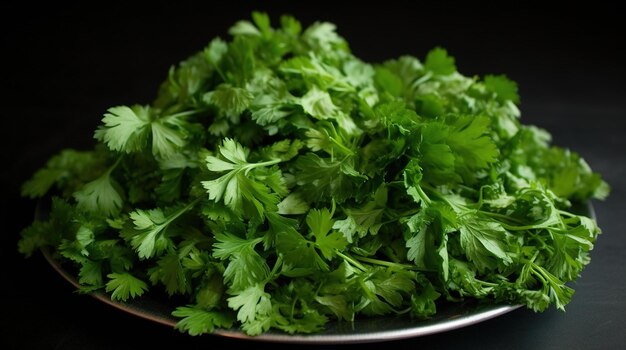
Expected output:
(100, 195)
(483, 240)
(320, 223)
(252, 303)
(504, 88)
(438, 62)
(246, 266)
(125, 129)
(124, 286)
(197, 321)
(238, 186)
(148, 232)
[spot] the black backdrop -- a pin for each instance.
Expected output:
(62, 67)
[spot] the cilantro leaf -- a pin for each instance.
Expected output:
(318, 104)
(34, 237)
(124, 286)
(100, 196)
(230, 100)
(325, 177)
(63, 169)
(252, 303)
(196, 321)
(438, 62)
(168, 136)
(473, 149)
(297, 252)
(246, 266)
(316, 72)
(504, 88)
(169, 271)
(238, 186)
(147, 234)
(90, 273)
(293, 204)
(364, 220)
(320, 223)
(125, 128)
(484, 240)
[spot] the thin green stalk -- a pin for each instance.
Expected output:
(181, 211)
(423, 195)
(353, 262)
(391, 264)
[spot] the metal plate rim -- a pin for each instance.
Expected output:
(319, 338)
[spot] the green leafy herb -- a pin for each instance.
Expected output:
(124, 286)
(279, 182)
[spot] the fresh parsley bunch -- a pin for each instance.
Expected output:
(278, 181)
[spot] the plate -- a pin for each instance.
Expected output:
(449, 316)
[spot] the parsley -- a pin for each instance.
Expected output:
(124, 286)
(279, 182)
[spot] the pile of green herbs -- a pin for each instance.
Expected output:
(279, 182)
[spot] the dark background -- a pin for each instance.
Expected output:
(61, 68)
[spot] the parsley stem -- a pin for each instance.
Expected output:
(519, 228)
(269, 162)
(181, 211)
(390, 264)
(250, 166)
(423, 195)
(246, 168)
(409, 212)
(343, 148)
(567, 213)
(353, 262)
(183, 114)
(277, 265)
(219, 71)
(112, 167)
(434, 192)
(500, 216)
(422, 80)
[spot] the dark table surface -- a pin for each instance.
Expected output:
(62, 68)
